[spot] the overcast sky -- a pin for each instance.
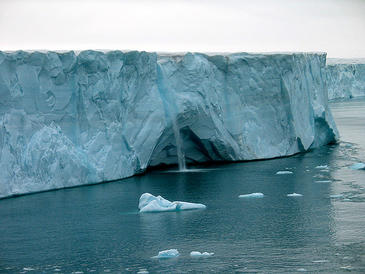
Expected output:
(334, 26)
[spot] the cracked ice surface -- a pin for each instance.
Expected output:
(68, 119)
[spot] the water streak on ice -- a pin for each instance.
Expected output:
(179, 146)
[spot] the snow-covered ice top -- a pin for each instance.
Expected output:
(69, 119)
(150, 203)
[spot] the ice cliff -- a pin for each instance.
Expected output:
(345, 78)
(69, 119)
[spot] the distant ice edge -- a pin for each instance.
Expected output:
(70, 119)
(345, 78)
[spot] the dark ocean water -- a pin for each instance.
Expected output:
(98, 228)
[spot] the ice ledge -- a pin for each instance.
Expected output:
(69, 119)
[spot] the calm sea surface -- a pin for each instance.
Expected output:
(98, 228)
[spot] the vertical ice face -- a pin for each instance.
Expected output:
(68, 119)
(345, 78)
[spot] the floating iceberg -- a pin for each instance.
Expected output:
(150, 203)
(252, 195)
(358, 166)
(199, 254)
(294, 195)
(70, 119)
(283, 172)
(167, 254)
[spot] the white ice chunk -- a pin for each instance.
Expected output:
(282, 172)
(358, 166)
(188, 206)
(323, 181)
(322, 167)
(336, 196)
(347, 267)
(294, 195)
(200, 254)
(320, 261)
(150, 203)
(166, 254)
(252, 195)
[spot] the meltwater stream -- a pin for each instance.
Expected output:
(98, 228)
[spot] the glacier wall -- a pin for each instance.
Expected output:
(345, 78)
(69, 119)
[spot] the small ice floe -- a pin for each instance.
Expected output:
(302, 270)
(150, 203)
(320, 261)
(200, 254)
(320, 176)
(347, 267)
(336, 196)
(322, 167)
(167, 254)
(143, 271)
(283, 172)
(357, 166)
(252, 195)
(294, 195)
(28, 269)
(323, 181)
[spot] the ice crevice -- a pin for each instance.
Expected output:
(69, 119)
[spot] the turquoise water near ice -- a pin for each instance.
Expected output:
(98, 228)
